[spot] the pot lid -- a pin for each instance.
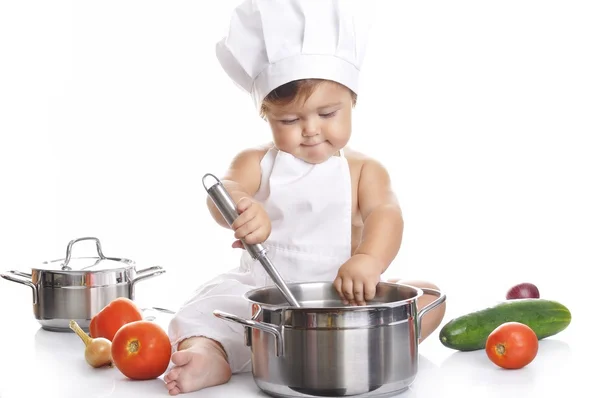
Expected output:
(86, 264)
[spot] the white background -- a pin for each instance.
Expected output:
(486, 115)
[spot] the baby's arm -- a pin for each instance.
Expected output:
(242, 179)
(358, 277)
(381, 214)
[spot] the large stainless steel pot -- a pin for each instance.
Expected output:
(325, 348)
(79, 287)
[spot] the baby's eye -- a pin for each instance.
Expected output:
(330, 114)
(288, 121)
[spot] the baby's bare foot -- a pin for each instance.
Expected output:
(200, 363)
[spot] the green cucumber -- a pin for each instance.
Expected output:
(470, 332)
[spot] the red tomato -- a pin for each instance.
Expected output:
(512, 345)
(116, 314)
(141, 350)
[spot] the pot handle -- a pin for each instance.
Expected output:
(25, 281)
(256, 325)
(145, 274)
(441, 298)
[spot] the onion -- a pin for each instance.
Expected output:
(523, 290)
(97, 351)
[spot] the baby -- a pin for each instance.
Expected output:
(325, 212)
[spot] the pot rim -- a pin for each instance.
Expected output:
(343, 308)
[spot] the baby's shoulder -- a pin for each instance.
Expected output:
(252, 154)
(365, 168)
(362, 160)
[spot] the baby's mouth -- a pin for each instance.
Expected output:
(310, 144)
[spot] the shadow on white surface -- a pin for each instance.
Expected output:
(474, 370)
(549, 350)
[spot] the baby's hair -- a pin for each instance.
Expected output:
(293, 91)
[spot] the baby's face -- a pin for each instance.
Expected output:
(316, 129)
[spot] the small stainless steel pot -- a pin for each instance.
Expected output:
(78, 288)
(325, 348)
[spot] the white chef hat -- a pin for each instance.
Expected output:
(273, 42)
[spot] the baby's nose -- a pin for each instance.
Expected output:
(310, 132)
(310, 129)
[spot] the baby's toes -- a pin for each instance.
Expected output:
(174, 390)
(172, 375)
(181, 358)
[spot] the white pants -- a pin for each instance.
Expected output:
(195, 318)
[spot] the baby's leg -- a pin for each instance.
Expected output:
(208, 350)
(432, 319)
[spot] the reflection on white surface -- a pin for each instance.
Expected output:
(51, 364)
(474, 371)
(37, 362)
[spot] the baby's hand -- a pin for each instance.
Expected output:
(357, 279)
(252, 225)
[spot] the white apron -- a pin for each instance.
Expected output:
(310, 208)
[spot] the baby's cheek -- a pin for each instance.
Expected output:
(338, 132)
(339, 140)
(288, 141)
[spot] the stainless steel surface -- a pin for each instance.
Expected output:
(441, 298)
(61, 293)
(332, 349)
(59, 305)
(227, 208)
(275, 331)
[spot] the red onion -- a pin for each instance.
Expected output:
(523, 290)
